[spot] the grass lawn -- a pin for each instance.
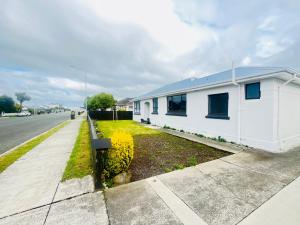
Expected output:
(79, 164)
(156, 152)
(10, 158)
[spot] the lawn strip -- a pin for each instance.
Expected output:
(156, 152)
(79, 164)
(8, 159)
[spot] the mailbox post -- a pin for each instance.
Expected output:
(100, 149)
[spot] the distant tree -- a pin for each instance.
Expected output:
(22, 97)
(101, 101)
(18, 107)
(7, 104)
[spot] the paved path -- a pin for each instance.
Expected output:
(14, 131)
(219, 192)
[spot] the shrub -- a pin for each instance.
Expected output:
(220, 139)
(120, 155)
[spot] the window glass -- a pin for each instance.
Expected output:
(155, 105)
(218, 106)
(137, 107)
(252, 91)
(177, 104)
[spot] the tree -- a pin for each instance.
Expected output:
(7, 104)
(22, 97)
(101, 101)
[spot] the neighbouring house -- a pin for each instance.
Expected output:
(125, 104)
(254, 106)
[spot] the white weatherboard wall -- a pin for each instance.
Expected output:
(289, 115)
(258, 117)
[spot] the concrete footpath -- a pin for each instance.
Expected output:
(247, 188)
(31, 192)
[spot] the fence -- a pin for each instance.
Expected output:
(111, 115)
(99, 148)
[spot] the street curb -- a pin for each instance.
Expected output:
(25, 142)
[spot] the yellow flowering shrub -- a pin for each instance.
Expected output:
(120, 155)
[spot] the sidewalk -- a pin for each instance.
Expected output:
(219, 192)
(29, 187)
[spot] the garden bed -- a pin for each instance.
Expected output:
(156, 152)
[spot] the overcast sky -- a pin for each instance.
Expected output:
(130, 47)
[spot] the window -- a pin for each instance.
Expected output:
(137, 107)
(252, 91)
(177, 105)
(218, 106)
(155, 105)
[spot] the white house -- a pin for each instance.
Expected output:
(125, 104)
(254, 106)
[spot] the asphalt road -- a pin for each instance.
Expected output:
(14, 131)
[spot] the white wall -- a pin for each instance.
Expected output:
(289, 115)
(258, 126)
(257, 117)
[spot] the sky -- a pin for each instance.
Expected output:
(49, 48)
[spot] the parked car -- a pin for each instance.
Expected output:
(24, 113)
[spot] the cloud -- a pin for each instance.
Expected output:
(65, 83)
(131, 47)
(246, 61)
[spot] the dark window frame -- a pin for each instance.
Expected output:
(247, 94)
(137, 108)
(155, 106)
(211, 111)
(172, 112)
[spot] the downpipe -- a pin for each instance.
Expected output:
(239, 104)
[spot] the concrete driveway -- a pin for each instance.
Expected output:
(223, 191)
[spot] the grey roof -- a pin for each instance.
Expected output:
(213, 79)
(124, 101)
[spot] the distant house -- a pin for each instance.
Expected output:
(125, 104)
(254, 106)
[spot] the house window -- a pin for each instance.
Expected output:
(155, 105)
(177, 105)
(218, 106)
(252, 91)
(137, 107)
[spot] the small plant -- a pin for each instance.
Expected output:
(167, 127)
(200, 135)
(178, 166)
(182, 131)
(220, 139)
(192, 161)
(167, 170)
(120, 155)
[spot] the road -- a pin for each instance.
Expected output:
(14, 131)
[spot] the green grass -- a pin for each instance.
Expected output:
(132, 127)
(10, 158)
(79, 164)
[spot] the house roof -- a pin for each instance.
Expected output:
(214, 79)
(124, 101)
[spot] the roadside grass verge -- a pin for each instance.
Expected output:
(10, 158)
(79, 164)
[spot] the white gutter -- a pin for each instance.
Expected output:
(278, 104)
